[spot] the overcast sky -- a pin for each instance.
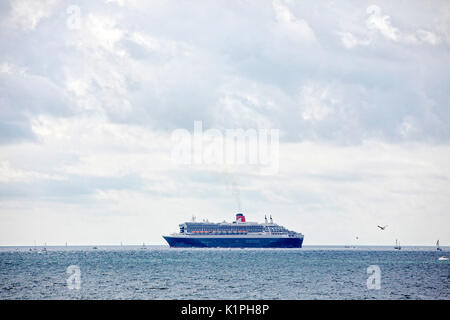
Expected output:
(91, 91)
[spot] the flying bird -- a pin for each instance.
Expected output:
(382, 228)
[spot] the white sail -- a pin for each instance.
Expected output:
(437, 246)
(397, 245)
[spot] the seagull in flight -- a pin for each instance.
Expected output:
(382, 228)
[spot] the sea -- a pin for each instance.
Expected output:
(160, 272)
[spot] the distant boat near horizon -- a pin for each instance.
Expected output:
(397, 245)
(43, 249)
(438, 248)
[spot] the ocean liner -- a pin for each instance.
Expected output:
(237, 234)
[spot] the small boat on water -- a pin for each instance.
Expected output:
(95, 248)
(43, 250)
(438, 248)
(397, 245)
(443, 258)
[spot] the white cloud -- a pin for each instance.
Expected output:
(245, 104)
(298, 28)
(316, 103)
(28, 14)
(103, 33)
(118, 2)
(420, 37)
(122, 3)
(101, 83)
(381, 23)
(377, 23)
(103, 149)
(428, 36)
(349, 40)
(9, 174)
(9, 68)
(407, 127)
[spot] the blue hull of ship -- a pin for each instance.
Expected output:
(203, 242)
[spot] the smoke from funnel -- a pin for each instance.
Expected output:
(236, 193)
(231, 179)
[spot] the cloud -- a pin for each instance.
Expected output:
(9, 174)
(429, 37)
(27, 15)
(23, 93)
(377, 23)
(298, 29)
(316, 103)
(408, 127)
(381, 23)
(349, 40)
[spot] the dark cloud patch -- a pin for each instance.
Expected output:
(23, 97)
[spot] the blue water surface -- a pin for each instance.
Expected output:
(159, 272)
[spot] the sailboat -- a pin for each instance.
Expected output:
(43, 249)
(437, 246)
(397, 245)
(143, 246)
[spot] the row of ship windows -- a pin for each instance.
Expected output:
(225, 230)
(230, 232)
(235, 229)
(249, 228)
